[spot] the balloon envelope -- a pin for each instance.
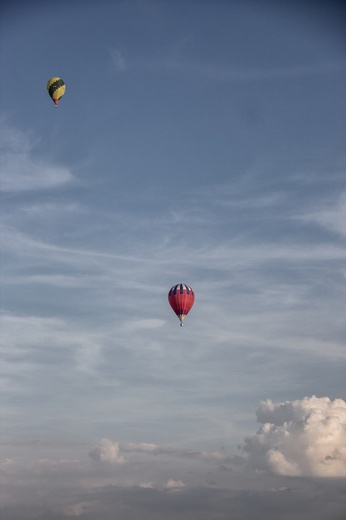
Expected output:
(181, 298)
(56, 89)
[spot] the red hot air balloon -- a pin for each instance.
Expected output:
(181, 298)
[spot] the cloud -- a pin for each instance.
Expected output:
(304, 438)
(48, 489)
(77, 509)
(174, 484)
(118, 60)
(153, 449)
(107, 451)
(332, 217)
(240, 75)
(21, 171)
(147, 485)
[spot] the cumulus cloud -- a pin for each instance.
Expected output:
(106, 450)
(21, 171)
(147, 485)
(174, 484)
(300, 438)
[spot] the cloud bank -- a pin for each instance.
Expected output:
(305, 438)
(106, 450)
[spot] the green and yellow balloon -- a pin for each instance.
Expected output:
(56, 89)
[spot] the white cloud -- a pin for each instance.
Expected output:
(208, 456)
(331, 217)
(174, 484)
(301, 438)
(147, 485)
(142, 447)
(21, 171)
(106, 450)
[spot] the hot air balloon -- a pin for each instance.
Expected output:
(181, 298)
(56, 89)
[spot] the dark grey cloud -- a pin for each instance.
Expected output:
(314, 503)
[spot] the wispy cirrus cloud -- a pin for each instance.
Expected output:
(235, 75)
(21, 171)
(330, 216)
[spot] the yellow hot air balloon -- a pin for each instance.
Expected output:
(56, 89)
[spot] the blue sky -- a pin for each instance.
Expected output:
(200, 142)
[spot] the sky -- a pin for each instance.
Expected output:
(198, 142)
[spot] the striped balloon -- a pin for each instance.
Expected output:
(181, 298)
(56, 89)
